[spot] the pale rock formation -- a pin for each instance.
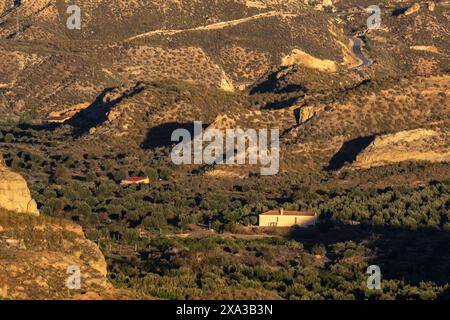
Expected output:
(411, 145)
(66, 114)
(324, 4)
(299, 57)
(413, 9)
(14, 193)
(432, 49)
(40, 251)
(2, 6)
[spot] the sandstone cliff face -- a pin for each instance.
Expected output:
(14, 193)
(302, 58)
(38, 251)
(35, 253)
(412, 145)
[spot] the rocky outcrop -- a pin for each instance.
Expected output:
(66, 114)
(2, 6)
(299, 57)
(432, 49)
(14, 193)
(306, 113)
(412, 145)
(413, 9)
(36, 253)
(431, 6)
(321, 4)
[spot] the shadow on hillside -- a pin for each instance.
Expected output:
(161, 135)
(39, 127)
(348, 152)
(444, 295)
(97, 112)
(271, 85)
(92, 116)
(412, 256)
(399, 11)
(276, 105)
(364, 83)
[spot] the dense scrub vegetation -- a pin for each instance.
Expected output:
(188, 235)
(142, 229)
(309, 265)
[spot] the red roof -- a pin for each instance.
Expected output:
(289, 213)
(135, 179)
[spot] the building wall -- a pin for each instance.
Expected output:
(145, 181)
(285, 221)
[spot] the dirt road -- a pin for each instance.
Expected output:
(214, 26)
(356, 45)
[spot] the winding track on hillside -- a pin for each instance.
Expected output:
(356, 45)
(214, 26)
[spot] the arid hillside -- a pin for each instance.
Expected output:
(86, 123)
(341, 124)
(137, 70)
(230, 44)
